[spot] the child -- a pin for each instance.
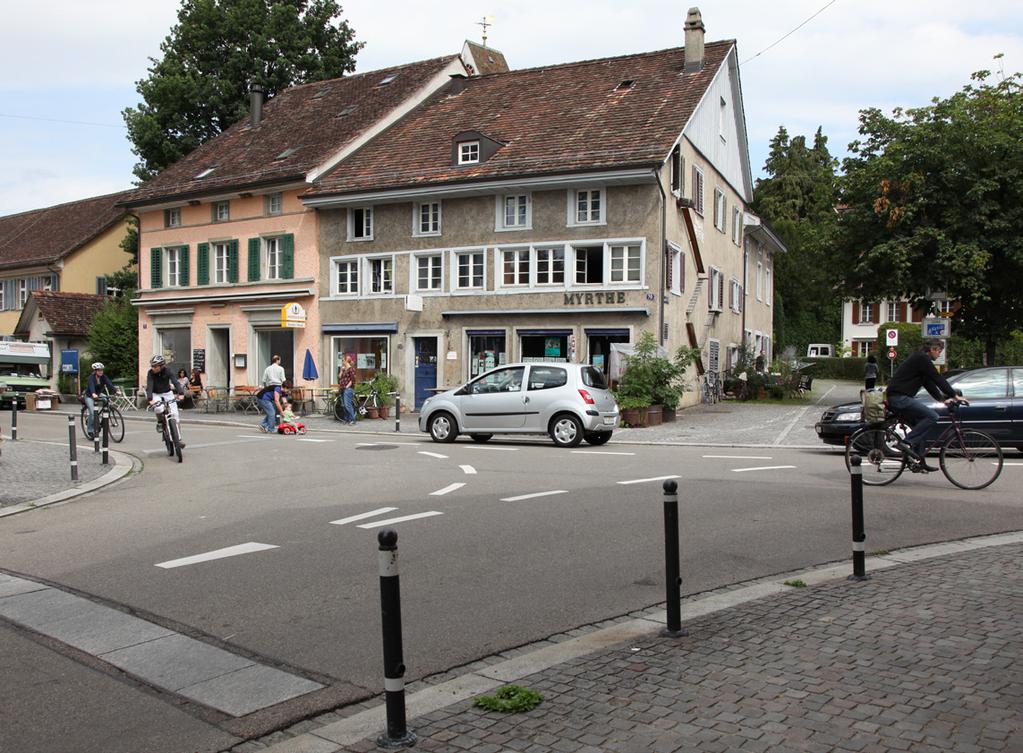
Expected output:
(289, 424)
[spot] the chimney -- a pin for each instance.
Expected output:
(694, 41)
(256, 103)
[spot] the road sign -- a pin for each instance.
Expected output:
(891, 337)
(891, 353)
(935, 327)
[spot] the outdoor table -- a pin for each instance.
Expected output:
(245, 399)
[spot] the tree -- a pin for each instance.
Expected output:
(934, 199)
(200, 86)
(114, 332)
(797, 200)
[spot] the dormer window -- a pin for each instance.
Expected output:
(468, 152)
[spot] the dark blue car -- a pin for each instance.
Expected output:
(996, 407)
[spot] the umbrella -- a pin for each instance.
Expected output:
(309, 372)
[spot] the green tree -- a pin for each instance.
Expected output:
(934, 202)
(218, 47)
(114, 333)
(797, 200)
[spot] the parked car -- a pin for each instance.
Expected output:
(819, 350)
(568, 401)
(996, 407)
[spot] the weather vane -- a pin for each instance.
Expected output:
(486, 22)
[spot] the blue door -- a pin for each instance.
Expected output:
(425, 368)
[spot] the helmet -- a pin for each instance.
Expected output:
(157, 360)
(97, 366)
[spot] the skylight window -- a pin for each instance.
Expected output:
(345, 112)
(287, 152)
(387, 79)
(626, 84)
(321, 92)
(205, 172)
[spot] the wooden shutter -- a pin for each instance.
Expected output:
(855, 312)
(676, 168)
(232, 261)
(255, 245)
(287, 256)
(183, 266)
(155, 268)
(202, 261)
(669, 267)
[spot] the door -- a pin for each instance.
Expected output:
(425, 368)
(495, 402)
(276, 342)
(218, 359)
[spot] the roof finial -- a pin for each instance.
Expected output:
(487, 21)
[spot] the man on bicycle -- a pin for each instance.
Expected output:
(919, 371)
(98, 383)
(160, 383)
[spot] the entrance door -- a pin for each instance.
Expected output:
(276, 342)
(218, 359)
(600, 348)
(425, 368)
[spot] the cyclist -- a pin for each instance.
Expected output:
(160, 382)
(98, 383)
(919, 371)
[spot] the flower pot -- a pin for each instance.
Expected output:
(669, 415)
(635, 417)
(372, 413)
(653, 415)
(385, 411)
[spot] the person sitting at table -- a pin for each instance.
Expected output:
(195, 381)
(182, 380)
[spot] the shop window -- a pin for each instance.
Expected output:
(369, 354)
(547, 347)
(486, 352)
(176, 347)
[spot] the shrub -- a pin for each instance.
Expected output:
(650, 379)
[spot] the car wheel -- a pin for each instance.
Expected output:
(481, 437)
(443, 428)
(597, 437)
(566, 430)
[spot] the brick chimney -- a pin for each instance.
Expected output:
(256, 102)
(694, 41)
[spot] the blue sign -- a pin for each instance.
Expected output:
(935, 330)
(69, 362)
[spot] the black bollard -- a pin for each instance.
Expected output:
(397, 411)
(73, 448)
(14, 419)
(95, 430)
(105, 423)
(859, 535)
(672, 574)
(398, 735)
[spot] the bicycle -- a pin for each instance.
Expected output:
(169, 429)
(969, 458)
(115, 420)
(711, 385)
(360, 403)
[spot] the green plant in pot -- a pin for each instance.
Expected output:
(385, 384)
(651, 379)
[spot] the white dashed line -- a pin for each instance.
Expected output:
(468, 470)
(447, 489)
(389, 521)
(498, 449)
(533, 496)
(598, 452)
(362, 516)
(433, 455)
(740, 457)
(303, 439)
(763, 468)
(217, 554)
(644, 480)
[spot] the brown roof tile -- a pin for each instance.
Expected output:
(305, 118)
(42, 236)
(68, 313)
(556, 119)
(488, 60)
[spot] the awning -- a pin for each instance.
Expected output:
(544, 332)
(605, 331)
(360, 328)
(485, 332)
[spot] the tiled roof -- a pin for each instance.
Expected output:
(68, 313)
(488, 60)
(577, 116)
(42, 236)
(316, 120)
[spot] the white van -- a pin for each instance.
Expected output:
(819, 350)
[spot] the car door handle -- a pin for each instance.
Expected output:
(1002, 408)
(525, 399)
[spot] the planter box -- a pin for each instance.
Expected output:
(669, 415)
(635, 417)
(653, 415)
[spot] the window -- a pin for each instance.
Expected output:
(866, 313)
(347, 277)
(381, 276)
(468, 152)
(589, 265)
(427, 218)
(515, 267)
(22, 293)
(677, 170)
(862, 348)
(760, 281)
(893, 312)
(177, 266)
(722, 117)
(514, 212)
(360, 224)
(735, 296)
(546, 377)
(221, 211)
(274, 258)
(985, 383)
(274, 203)
(430, 272)
(172, 217)
(717, 289)
(626, 264)
(502, 380)
(714, 356)
(698, 190)
(737, 226)
(676, 270)
(469, 270)
(944, 307)
(221, 256)
(587, 207)
(719, 209)
(768, 287)
(550, 266)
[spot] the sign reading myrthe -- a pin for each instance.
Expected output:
(591, 299)
(293, 316)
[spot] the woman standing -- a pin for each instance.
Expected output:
(346, 384)
(870, 373)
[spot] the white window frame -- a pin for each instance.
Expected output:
(220, 275)
(221, 211)
(892, 311)
(722, 118)
(456, 256)
(22, 292)
(592, 218)
(768, 286)
(468, 152)
(698, 180)
(433, 224)
(272, 252)
(714, 302)
(173, 217)
(676, 175)
(735, 296)
(549, 270)
(516, 252)
(866, 313)
(760, 281)
(945, 306)
(500, 214)
(350, 264)
(274, 203)
(626, 269)
(737, 225)
(720, 208)
(434, 258)
(367, 224)
(677, 271)
(172, 258)
(366, 273)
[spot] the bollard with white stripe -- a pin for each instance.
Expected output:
(398, 735)
(73, 448)
(95, 430)
(672, 566)
(397, 411)
(14, 419)
(859, 535)
(105, 423)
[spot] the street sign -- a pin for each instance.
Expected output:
(891, 337)
(293, 315)
(935, 327)
(891, 354)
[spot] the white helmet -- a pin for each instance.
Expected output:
(97, 366)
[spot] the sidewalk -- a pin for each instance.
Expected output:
(926, 656)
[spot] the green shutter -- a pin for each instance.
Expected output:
(232, 261)
(155, 268)
(254, 248)
(287, 256)
(202, 260)
(183, 266)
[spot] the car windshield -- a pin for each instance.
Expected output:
(593, 378)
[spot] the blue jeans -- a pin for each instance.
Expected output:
(90, 421)
(269, 422)
(915, 413)
(347, 396)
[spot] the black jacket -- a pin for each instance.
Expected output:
(919, 371)
(161, 381)
(96, 384)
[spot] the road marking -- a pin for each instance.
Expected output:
(241, 436)
(598, 452)
(498, 449)
(389, 521)
(231, 551)
(1008, 464)
(468, 470)
(799, 415)
(190, 446)
(433, 454)
(303, 439)
(763, 468)
(644, 480)
(363, 516)
(448, 488)
(533, 496)
(741, 457)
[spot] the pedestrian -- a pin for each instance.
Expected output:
(760, 362)
(182, 379)
(346, 386)
(270, 401)
(870, 373)
(274, 374)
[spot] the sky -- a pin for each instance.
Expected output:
(79, 60)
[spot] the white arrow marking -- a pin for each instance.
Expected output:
(217, 554)
(644, 480)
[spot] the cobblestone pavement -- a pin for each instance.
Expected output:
(30, 470)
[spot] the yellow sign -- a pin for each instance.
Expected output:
(293, 316)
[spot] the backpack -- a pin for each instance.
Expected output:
(873, 406)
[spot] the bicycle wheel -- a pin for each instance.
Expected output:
(165, 432)
(85, 422)
(175, 438)
(971, 459)
(883, 462)
(116, 424)
(339, 410)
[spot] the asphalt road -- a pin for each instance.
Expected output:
(516, 540)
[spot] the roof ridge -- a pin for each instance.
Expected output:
(66, 204)
(349, 77)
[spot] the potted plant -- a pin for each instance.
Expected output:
(652, 383)
(363, 390)
(385, 384)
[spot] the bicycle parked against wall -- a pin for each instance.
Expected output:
(969, 458)
(169, 429)
(361, 404)
(115, 419)
(711, 387)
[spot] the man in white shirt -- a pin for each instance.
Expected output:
(274, 373)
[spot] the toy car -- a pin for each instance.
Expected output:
(295, 428)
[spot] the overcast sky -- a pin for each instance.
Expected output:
(78, 60)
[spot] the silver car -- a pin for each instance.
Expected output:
(568, 401)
